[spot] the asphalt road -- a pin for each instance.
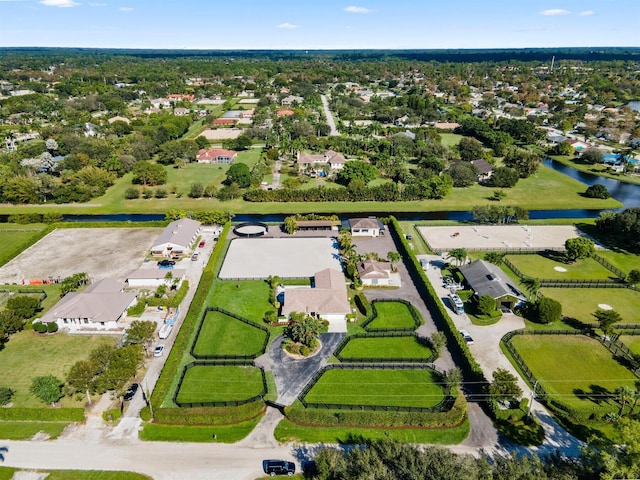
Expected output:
(327, 113)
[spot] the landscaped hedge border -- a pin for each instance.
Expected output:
(232, 403)
(445, 405)
(321, 417)
(345, 341)
(229, 357)
(417, 318)
(456, 344)
(208, 415)
(42, 414)
(170, 369)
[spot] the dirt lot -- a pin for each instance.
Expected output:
(100, 252)
(508, 237)
(221, 133)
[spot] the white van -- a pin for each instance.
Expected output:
(457, 305)
(165, 331)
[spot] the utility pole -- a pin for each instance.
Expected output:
(533, 395)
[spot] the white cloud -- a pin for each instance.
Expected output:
(354, 9)
(287, 25)
(97, 4)
(126, 9)
(59, 3)
(587, 13)
(554, 12)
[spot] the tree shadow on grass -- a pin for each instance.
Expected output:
(596, 394)
(554, 256)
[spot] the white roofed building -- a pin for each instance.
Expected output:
(177, 238)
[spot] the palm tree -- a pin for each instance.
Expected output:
(625, 393)
(532, 285)
(459, 255)
(635, 396)
(393, 257)
(345, 238)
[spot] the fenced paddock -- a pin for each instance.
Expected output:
(498, 237)
(258, 258)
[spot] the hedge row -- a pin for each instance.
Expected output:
(181, 345)
(42, 414)
(454, 339)
(209, 415)
(332, 418)
(363, 304)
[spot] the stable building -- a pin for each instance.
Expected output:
(177, 238)
(365, 227)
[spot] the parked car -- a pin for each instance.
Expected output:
(194, 257)
(467, 337)
(278, 467)
(131, 392)
(157, 352)
(166, 263)
(408, 236)
(201, 244)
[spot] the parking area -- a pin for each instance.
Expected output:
(99, 252)
(249, 258)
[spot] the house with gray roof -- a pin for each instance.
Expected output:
(485, 278)
(100, 308)
(177, 238)
(365, 227)
(326, 299)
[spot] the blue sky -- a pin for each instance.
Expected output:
(319, 24)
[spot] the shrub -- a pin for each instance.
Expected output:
(486, 305)
(138, 308)
(147, 193)
(270, 316)
(161, 193)
(208, 415)
(597, 191)
(52, 327)
(548, 310)
(5, 395)
(47, 388)
(40, 327)
(112, 415)
(363, 304)
(145, 414)
(132, 194)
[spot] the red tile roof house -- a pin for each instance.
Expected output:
(225, 121)
(216, 155)
(327, 299)
(101, 307)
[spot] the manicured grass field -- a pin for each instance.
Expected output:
(391, 315)
(7, 473)
(552, 189)
(214, 383)
(10, 430)
(450, 139)
(581, 303)
(539, 266)
(26, 355)
(14, 237)
(406, 388)
(246, 298)
(588, 375)
(224, 335)
(290, 432)
(385, 347)
(621, 260)
(631, 341)
(197, 433)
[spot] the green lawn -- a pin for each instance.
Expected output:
(250, 300)
(385, 347)
(450, 139)
(551, 189)
(15, 237)
(383, 387)
(7, 473)
(290, 432)
(589, 373)
(581, 303)
(224, 335)
(26, 356)
(198, 433)
(540, 266)
(10, 430)
(391, 315)
(631, 341)
(214, 383)
(621, 260)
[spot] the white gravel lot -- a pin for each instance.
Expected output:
(100, 252)
(285, 257)
(499, 237)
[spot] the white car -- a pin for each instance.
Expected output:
(467, 337)
(158, 351)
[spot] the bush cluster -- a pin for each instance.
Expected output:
(208, 415)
